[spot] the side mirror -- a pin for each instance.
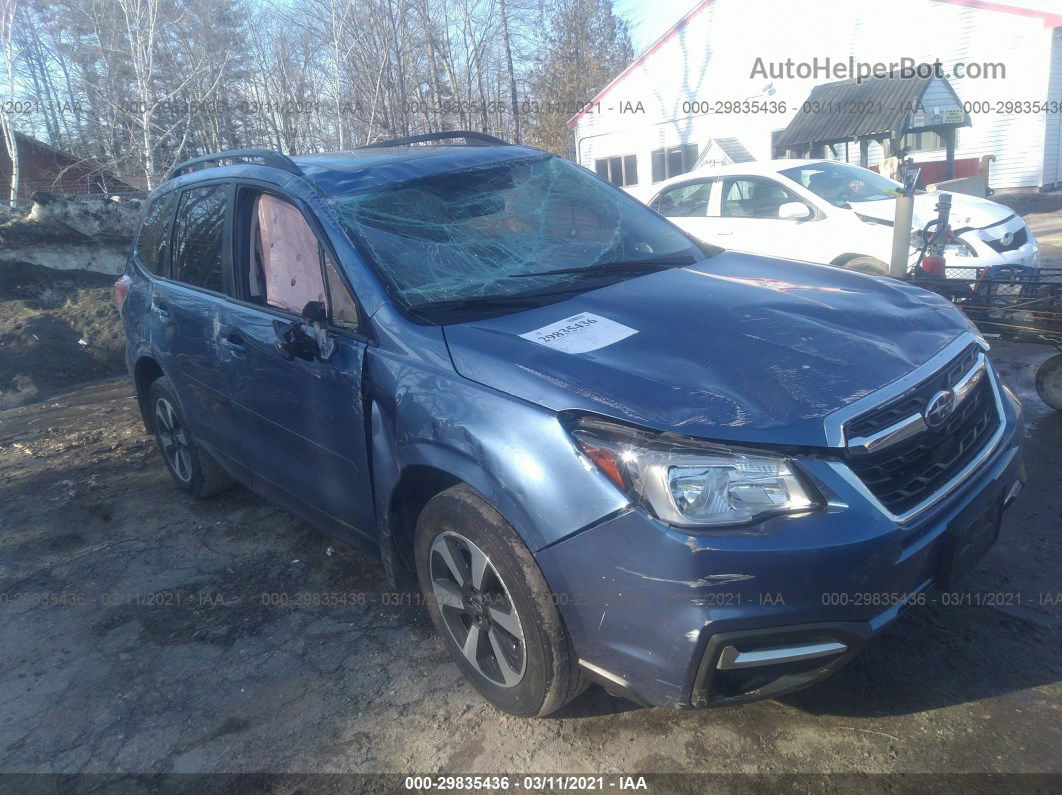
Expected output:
(794, 211)
(315, 312)
(315, 316)
(295, 340)
(306, 338)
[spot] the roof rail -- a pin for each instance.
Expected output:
(268, 156)
(472, 138)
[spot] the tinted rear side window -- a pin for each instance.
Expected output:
(152, 247)
(198, 240)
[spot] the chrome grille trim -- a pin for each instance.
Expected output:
(886, 437)
(915, 424)
(833, 424)
(966, 384)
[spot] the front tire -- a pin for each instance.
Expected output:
(1049, 382)
(192, 468)
(492, 607)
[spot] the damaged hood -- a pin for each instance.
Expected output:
(967, 212)
(737, 348)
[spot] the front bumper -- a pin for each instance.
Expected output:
(669, 618)
(988, 255)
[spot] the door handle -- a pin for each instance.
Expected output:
(233, 340)
(161, 307)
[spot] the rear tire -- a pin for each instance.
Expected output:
(492, 607)
(1049, 382)
(191, 467)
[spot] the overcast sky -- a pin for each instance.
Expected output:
(650, 18)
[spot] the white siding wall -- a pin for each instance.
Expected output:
(1053, 135)
(712, 58)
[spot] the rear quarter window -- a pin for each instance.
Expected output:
(199, 236)
(153, 243)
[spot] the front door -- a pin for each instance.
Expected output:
(303, 419)
(748, 220)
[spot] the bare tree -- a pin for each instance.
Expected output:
(144, 83)
(7, 33)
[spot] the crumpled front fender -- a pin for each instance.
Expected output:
(516, 454)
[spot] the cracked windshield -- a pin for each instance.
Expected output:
(521, 229)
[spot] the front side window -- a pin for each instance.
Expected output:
(841, 185)
(288, 266)
(153, 243)
(286, 257)
(754, 197)
(198, 242)
(342, 309)
(689, 200)
(524, 228)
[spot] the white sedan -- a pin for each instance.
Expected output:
(836, 214)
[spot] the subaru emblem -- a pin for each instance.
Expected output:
(939, 408)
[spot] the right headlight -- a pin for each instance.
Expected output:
(692, 485)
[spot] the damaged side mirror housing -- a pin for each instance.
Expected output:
(306, 338)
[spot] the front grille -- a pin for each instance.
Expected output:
(914, 400)
(1021, 237)
(906, 473)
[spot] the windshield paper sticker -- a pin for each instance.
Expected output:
(580, 333)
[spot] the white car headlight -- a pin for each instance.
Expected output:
(689, 484)
(959, 248)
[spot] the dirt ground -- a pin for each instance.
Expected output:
(136, 639)
(57, 329)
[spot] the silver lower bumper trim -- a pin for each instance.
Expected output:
(730, 658)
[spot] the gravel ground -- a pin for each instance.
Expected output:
(135, 640)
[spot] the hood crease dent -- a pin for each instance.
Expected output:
(737, 348)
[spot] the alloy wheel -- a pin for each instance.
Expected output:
(173, 439)
(477, 609)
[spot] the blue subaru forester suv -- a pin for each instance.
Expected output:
(606, 451)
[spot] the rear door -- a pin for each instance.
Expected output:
(303, 421)
(151, 253)
(189, 308)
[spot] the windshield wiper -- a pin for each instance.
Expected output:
(617, 266)
(537, 297)
(489, 301)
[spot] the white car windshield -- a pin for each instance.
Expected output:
(841, 185)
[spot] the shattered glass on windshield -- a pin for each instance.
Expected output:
(494, 230)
